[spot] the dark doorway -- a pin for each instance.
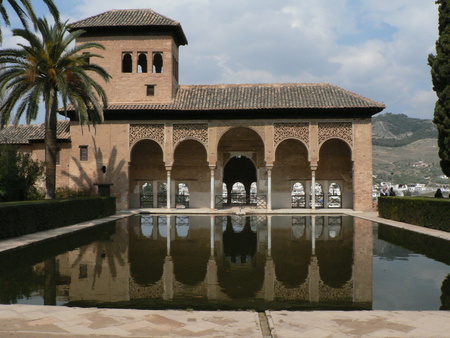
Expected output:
(239, 169)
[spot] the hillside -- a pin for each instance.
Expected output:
(397, 130)
(405, 150)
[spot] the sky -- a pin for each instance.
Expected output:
(375, 48)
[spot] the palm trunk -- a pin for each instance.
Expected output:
(51, 148)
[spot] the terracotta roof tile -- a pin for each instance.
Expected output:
(26, 133)
(259, 96)
(130, 18)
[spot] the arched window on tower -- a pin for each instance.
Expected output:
(127, 63)
(142, 63)
(158, 66)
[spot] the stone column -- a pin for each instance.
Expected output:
(212, 204)
(169, 188)
(313, 188)
(168, 274)
(269, 188)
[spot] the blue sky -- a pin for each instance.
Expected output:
(375, 48)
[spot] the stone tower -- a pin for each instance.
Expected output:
(141, 54)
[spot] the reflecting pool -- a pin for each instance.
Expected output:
(330, 262)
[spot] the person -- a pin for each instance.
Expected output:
(391, 192)
(384, 192)
(438, 194)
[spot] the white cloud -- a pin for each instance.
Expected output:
(377, 48)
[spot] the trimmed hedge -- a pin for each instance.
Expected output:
(428, 212)
(21, 218)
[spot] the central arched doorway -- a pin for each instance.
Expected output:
(240, 154)
(239, 169)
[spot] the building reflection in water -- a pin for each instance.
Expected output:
(245, 261)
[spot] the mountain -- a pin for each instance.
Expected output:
(405, 150)
(397, 130)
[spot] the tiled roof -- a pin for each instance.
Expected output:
(129, 18)
(27, 133)
(259, 96)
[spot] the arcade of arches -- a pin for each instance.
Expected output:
(261, 165)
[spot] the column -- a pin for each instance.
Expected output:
(168, 273)
(269, 235)
(169, 188)
(269, 188)
(313, 189)
(212, 197)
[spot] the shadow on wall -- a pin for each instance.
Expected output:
(109, 173)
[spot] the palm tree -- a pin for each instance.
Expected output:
(24, 10)
(48, 67)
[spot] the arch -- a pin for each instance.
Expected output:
(145, 254)
(142, 63)
(239, 169)
(294, 139)
(342, 146)
(335, 165)
(127, 63)
(243, 139)
(190, 167)
(291, 166)
(158, 65)
(146, 167)
(240, 249)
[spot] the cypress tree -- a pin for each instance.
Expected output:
(440, 74)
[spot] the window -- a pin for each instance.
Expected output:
(83, 153)
(127, 63)
(142, 63)
(157, 62)
(150, 90)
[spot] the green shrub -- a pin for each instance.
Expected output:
(21, 218)
(18, 174)
(428, 212)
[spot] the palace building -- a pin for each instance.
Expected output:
(269, 146)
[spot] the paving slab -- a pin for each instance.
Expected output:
(22, 321)
(286, 324)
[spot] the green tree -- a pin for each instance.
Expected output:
(440, 74)
(24, 10)
(18, 174)
(48, 67)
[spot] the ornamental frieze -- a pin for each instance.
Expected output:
(140, 132)
(299, 131)
(342, 130)
(197, 131)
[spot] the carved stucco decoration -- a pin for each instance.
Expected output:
(329, 293)
(299, 131)
(299, 293)
(196, 131)
(140, 132)
(153, 291)
(342, 130)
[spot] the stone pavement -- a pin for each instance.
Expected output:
(58, 321)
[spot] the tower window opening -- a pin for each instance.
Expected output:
(157, 62)
(142, 63)
(127, 63)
